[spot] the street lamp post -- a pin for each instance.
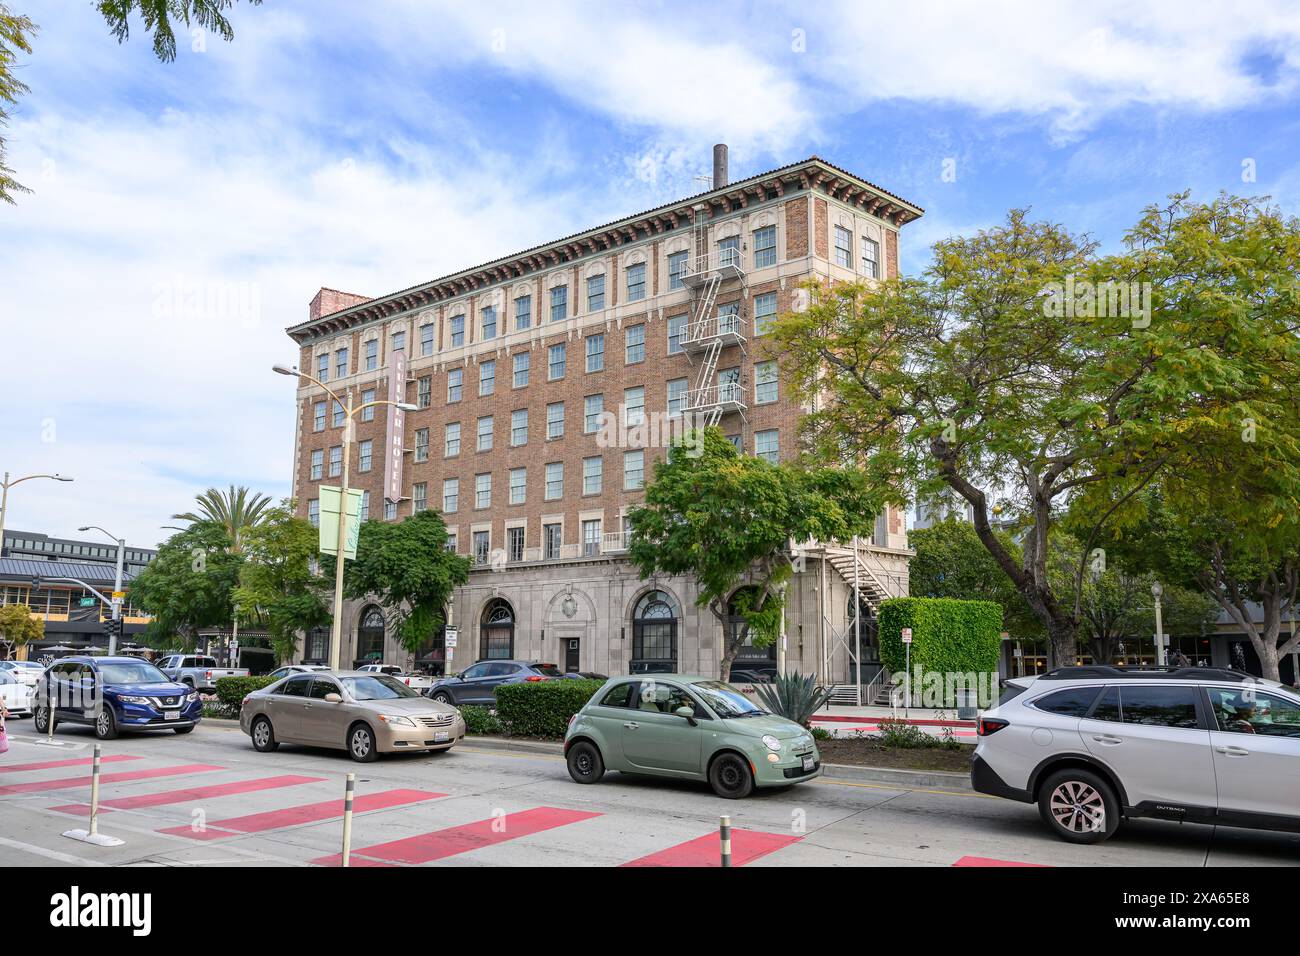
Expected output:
(4, 497)
(336, 625)
(1156, 592)
(117, 584)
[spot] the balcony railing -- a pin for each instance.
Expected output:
(725, 264)
(726, 397)
(727, 327)
(615, 541)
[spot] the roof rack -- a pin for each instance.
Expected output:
(1109, 671)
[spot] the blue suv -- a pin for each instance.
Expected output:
(114, 694)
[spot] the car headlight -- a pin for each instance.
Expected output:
(771, 743)
(127, 699)
(397, 720)
(192, 697)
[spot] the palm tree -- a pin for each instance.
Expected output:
(236, 511)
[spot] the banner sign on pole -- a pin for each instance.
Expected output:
(393, 436)
(329, 521)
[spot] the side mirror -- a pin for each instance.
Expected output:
(688, 713)
(333, 698)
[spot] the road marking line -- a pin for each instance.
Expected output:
(452, 841)
(49, 854)
(297, 816)
(746, 846)
(989, 861)
(190, 793)
(67, 783)
(70, 762)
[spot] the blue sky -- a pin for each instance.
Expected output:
(184, 214)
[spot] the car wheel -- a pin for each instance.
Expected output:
(1079, 806)
(183, 730)
(105, 723)
(42, 719)
(442, 697)
(731, 777)
(361, 744)
(263, 735)
(585, 764)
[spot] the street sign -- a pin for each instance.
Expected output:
(329, 517)
(118, 595)
(450, 636)
(88, 602)
(907, 635)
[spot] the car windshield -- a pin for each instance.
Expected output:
(548, 670)
(137, 672)
(376, 687)
(726, 701)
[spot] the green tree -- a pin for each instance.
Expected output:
(236, 512)
(278, 588)
(989, 378)
(729, 519)
(408, 569)
(18, 626)
(189, 585)
(157, 17)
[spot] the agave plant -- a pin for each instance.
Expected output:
(793, 696)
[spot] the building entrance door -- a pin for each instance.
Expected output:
(571, 647)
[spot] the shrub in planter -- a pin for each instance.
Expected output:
(480, 720)
(542, 708)
(231, 691)
(949, 637)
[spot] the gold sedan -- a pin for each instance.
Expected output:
(365, 714)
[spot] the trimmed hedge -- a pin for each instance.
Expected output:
(542, 708)
(480, 720)
(231, 691)
(948, 635)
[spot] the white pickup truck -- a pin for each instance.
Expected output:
(420, 682)
(201, 673)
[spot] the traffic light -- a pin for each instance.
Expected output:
(112, 628)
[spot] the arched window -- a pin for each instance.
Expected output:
(654, 634)
(497, 633)
(370, 636)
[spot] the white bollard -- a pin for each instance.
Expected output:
(724, 833)
(93, 835)
(347, 817)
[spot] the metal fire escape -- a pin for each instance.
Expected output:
(710, 330)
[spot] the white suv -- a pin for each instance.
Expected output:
(1091, 745)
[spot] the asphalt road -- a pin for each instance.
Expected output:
(209, 799)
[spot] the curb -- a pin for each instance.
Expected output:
(917, 721)
(929, 779)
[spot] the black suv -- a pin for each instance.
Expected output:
(477, 684)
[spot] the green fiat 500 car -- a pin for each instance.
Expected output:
(694, 728)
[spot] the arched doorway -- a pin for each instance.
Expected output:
(370, 637)
(654, 634)
(497, 631)
(754, 661)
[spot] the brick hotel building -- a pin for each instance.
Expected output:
(511, 364)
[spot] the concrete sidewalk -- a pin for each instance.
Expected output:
(923, 716)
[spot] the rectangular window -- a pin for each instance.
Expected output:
(676, 331)
(372, 355)
(559, 303)
(336, 461)
(451, 542)
(365, 506)
(523, 312)
(595, 293)
(595, 353)
(366, 451)
(482, 546)
(843, 247)
(766, 446)
(399, 341)
(554, 481)
(313, 512)
(552, 540)
(368, 398)
(514, 544)
(523, 361)
(323, 366)
(339, 413)
(487, 377)
(764, 312)
(634, 406)
(390, 510)
(426, 339)
(870, 257)
(593, 475)
(729, 318)
(677, 396)
(419, 497)
(634, 342)
(457, 331)
(591, 537)
(592, 408)
(633, 470)
(765, 383)
(451, 440)
(555, 420)
(483, 491)
(729, 385)
(488, 315)
(518, 485)
(424, 391)
(676, 267)
(318, 417)
(555, 362)
(421, 444)
(455, 384)
(765, 247)
(317, 464)
(450, 495)
(729, 251)
(636, 282)
(485, 433)
(519, 427)
(340, 363)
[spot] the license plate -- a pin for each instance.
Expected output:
(808, 762)
(440, 736)
(171, 715)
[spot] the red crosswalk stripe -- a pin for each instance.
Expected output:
(73, 762)
(190, 793)
(746, 847)
(990, 861)
(67, 783)
(452, 841)
(297, 816)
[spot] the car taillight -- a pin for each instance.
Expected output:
(990, 725)
(209, 675)
(572, 719)
(531, 679)
(408, 682)
(246, 700)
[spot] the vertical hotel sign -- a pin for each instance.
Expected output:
(396, 426)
